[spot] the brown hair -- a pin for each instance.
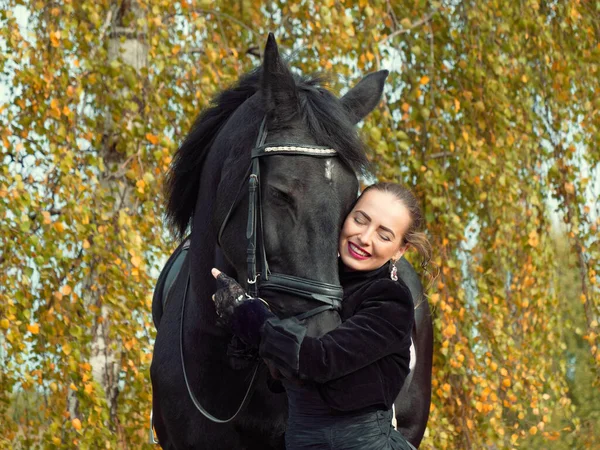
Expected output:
(413, 237)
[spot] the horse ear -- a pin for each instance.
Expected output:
(365, 96)
(277, 83)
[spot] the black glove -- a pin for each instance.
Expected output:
(229, 295)
(242, 315)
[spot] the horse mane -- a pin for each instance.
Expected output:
(322, 112)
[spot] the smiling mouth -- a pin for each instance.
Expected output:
(357, 252)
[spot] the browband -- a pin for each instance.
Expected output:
(293, 149)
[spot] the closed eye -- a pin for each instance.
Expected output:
(278, 196)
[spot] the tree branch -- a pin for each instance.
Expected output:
(418, 23)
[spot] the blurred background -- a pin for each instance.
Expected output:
(491, 113)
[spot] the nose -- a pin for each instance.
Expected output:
(364, 238)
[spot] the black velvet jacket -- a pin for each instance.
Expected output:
(362, 364)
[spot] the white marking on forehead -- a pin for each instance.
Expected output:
(328, 169)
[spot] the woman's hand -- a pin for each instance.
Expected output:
(240, 314)
(229, 295)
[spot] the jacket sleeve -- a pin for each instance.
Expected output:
(385, 317)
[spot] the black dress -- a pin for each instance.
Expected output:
(350, 377)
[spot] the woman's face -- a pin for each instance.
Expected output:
(373, 231)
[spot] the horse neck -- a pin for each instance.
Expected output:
(203, 240)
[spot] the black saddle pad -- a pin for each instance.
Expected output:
(166, 280)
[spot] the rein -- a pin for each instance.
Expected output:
(193, 398)
(259, 275)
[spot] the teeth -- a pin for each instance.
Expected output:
(358, 250)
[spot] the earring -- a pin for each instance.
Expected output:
(394, 271)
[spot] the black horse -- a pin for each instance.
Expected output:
(302, 202)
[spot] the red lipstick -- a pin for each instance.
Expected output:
(354, 250)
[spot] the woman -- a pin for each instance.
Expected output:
(346, 380)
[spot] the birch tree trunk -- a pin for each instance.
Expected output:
(106, 352)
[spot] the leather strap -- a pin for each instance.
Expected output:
(193, 398)
(301, 287)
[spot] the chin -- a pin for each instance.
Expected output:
(353, 264)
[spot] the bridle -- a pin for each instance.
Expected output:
(260, 278)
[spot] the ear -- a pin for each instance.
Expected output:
(277, 84)
(365, 96)
(400, 252)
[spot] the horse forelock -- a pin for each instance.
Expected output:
(329, 123)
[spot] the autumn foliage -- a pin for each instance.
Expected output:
(491, 113)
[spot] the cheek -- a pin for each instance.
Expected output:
(346, 230)
(385, 249)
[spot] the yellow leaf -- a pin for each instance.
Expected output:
(88, 388)
(33, 328)
(59, 226)
(524, 78)
(66, 289)
(136, 261)
(533, 430)
(140, 186)
(533, 239)
(86, 244)
(175, 49)
(46, 216)
(152, 138)
(424, 79)
(66, 348)
(449, 331)
(76, 424)
(574, 13)
(569, 187)
(55, 38)
(456, 105)
(4, 323)
(73, 387)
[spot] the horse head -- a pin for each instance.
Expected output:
(304, 197)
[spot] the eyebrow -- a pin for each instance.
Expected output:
(380, 226)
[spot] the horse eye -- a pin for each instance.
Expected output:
(280, 196)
